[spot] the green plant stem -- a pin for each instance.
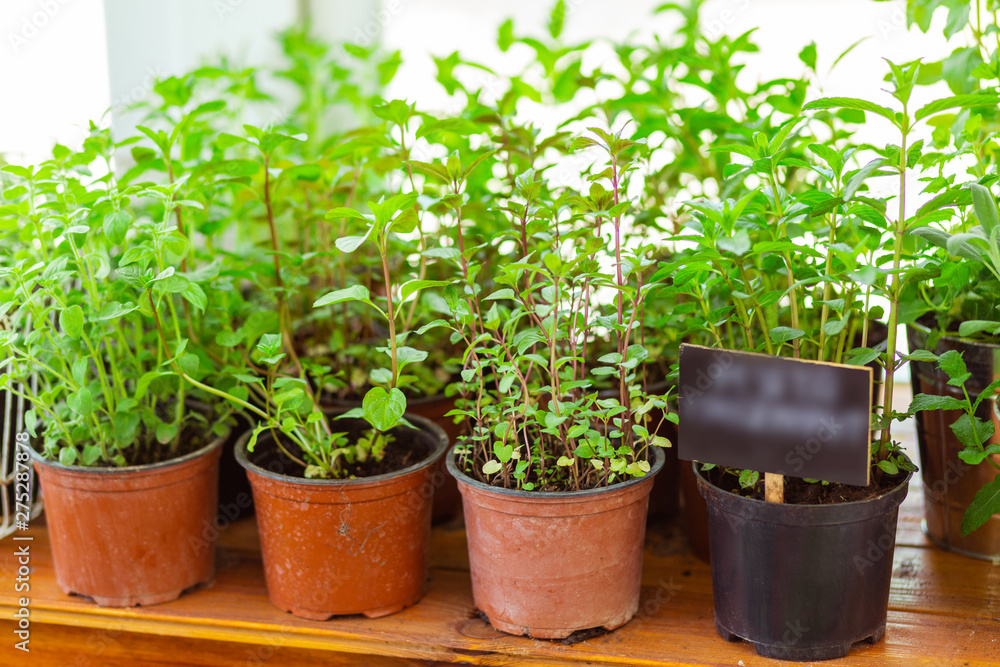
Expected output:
(894, 294)
(825, 313)
(390, 313)
(222, 394)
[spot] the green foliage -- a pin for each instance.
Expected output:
(972, 431)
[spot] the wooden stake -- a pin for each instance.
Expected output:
(774, 487)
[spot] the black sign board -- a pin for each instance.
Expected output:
(774, 414)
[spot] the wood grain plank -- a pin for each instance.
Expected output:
(944, 610)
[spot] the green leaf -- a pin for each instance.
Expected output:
(557, 18)
(953, 365)
(929, 402)
(491, 467)
(416, 285)
(984, 505)
(113, 310)
(963, 101)
(142, 386)
(67, 456)
(808, 55)
(126, 425)
(851, 103)
(343, 212)
(974, 455)
(79, 370)
(81, 402)
(116, 226)
(972, 432)
(408, 355)
(986, 208)
(834, 327)
(71, 321)
(228, 338)
(922, 355)
(972, 327)
(852, 185)
(383, 409)
(352, 243)
(502, 451)
(781, 335)
(505, 36)
(888, 467)
(352, 293)
(165, 432)
(524, 339)
(195, 295)
(861, 356)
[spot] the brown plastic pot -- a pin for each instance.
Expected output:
(137, 535)
(548, 564)
(353, 546)
(950, 484)
(447, 500)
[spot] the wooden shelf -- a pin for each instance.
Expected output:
(944, 610)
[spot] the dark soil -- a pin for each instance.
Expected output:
(800, 492)
(408, 447)
(192, 439)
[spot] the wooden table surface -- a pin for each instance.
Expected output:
(944, 609)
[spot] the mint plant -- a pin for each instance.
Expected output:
(537, 422)
(972, 431)
(79, 340)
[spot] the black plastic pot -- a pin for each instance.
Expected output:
(801, 582)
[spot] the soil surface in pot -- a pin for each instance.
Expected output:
(801, 492)
(406, 449)
(474, 471)
(192, 439)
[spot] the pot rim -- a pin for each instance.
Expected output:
(461, 477)
(854, 503)
(423, 424)
(924, 329)
(114, 470)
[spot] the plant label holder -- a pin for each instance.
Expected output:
(778, 415)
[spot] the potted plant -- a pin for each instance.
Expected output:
(127, 461)
(344, 504)
(956, 378)
(952, 311)
(546, 459)
(812, 559)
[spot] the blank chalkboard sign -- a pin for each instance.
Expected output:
(775, 414)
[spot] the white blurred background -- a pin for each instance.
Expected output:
(66, 62)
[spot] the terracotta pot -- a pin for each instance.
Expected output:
(802, 582)
(548, 564)
(949, 483)
(353, 546)
(447, 500)
(136, 535)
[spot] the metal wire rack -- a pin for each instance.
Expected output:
(13, 424)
